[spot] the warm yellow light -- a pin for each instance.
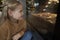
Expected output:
(49, 2)
(53, 0)
(57, 1)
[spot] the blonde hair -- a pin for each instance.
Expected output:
(9, 4)
(13, 5)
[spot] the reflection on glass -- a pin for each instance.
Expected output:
(44, 16)
(50, 17)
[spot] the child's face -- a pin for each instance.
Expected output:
(17, 13)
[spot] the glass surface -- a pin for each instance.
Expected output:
(42, 15)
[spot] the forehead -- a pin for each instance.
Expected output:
(19, 7)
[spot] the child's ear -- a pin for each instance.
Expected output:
(10, 12)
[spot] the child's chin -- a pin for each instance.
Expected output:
(21, 18)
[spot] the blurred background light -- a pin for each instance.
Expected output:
(0, 13)
(36, 4)
(44, 9)
(46, 6)
(57, 1)
(49, 2)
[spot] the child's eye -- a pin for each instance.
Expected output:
(21, 10)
